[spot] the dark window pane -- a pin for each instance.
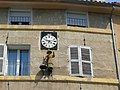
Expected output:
(25, 23)
(14, 23)
(20, 23)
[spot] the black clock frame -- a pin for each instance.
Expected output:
(53, 34)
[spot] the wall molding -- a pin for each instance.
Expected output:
(59, 78)
(55, 28)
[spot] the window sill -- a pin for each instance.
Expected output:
(58, 78)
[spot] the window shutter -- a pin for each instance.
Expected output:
(86, 61)
(77, 19)
(1, 59)
(20, 17)
(74, 61)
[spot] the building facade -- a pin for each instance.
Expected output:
(78, 32)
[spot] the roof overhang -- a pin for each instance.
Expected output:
(67, 5)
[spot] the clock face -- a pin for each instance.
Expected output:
(48, 40)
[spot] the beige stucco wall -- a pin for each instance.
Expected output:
(48, 17)
(48, 85)
(116, 27)
(58, 17)
(101, 44)
(3, 16)
(99, 20)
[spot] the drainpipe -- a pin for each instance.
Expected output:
(114, 44)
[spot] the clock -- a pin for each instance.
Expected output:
(49, 40)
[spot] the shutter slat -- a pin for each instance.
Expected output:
(74, 52)
(74, 67)
(1, 65)
(1, 58)
(85, 54)
(86, 68)
(1, 50)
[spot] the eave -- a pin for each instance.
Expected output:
(95, 7)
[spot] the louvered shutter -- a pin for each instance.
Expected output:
(1, 59)
(86, 61)
(74, 61)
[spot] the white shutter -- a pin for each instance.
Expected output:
(86, 61)
(74, 60)
(2, 58)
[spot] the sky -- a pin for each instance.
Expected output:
(112, 0)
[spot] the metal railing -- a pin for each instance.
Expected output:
(77, 22)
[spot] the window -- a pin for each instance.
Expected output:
(15, 61)
(77, 19)
(1, 59)
(20, 17)
(80, 61)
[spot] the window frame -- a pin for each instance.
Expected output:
(5, 64)
(20, 10)
(4, 54)
(80, 61)
(73, 61)
(86, 47)
(77, 12)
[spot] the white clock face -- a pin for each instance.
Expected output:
(49, 41)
